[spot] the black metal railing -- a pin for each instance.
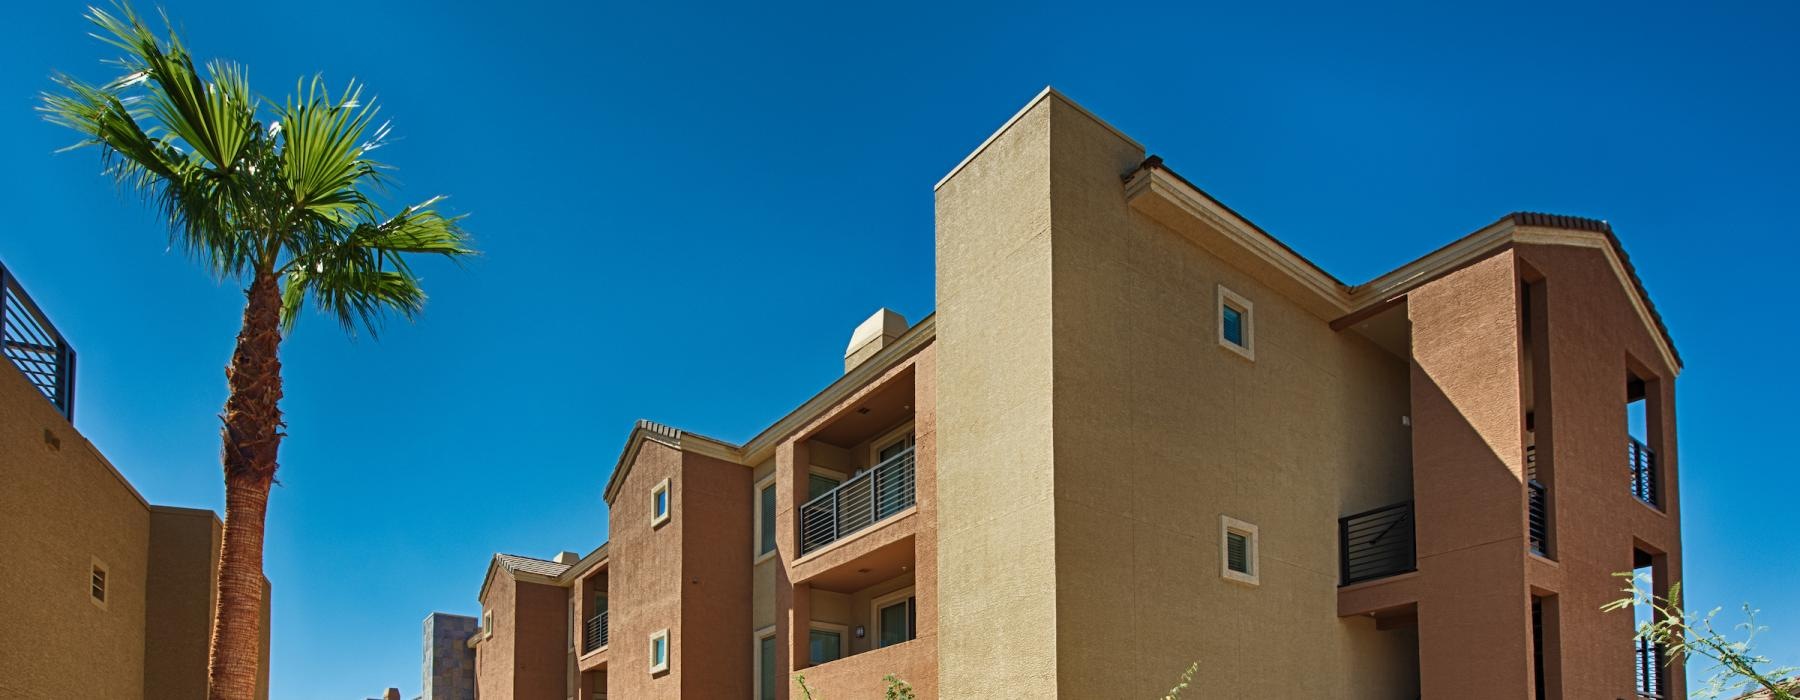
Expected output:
(594, 636)
(863, 500)
(1649, 669)
(1643, 472)
(31, 343)
(1538, 510)
(1376, 543)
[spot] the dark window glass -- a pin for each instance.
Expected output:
(768, 520)
(1234, 326)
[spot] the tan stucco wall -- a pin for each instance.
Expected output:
(646, 577)
(67, 506)
(1157, 431)
(494, 654)
(996, 537)
(184, 545)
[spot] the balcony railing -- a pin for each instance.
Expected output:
(1376, 543)
(1643, 472)
(594, 636)
(31, 343)
(1538, 510)
(1649, 669)
(864, 500)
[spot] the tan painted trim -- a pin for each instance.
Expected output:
(1247, 310)
(756, 526)
(106, 583)
(668, 650)
(843, 632)
(1253, 555)
(756, 638)
(1047, 93)
(900, 432)
(662, 487)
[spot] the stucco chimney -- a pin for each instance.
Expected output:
(872, 335)
(570, 558)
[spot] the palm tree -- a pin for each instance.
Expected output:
(283, 207)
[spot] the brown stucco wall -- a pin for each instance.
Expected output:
(541, 641)
(645, 573)
(715, 581)
(1468, 467)
(1593, 330)
(494, 654)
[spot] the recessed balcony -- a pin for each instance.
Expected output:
(1376, 544)
(865, 499)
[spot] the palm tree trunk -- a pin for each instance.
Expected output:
(251, 436)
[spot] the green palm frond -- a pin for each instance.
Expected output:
(291, 199)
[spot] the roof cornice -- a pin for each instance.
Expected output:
(1331, 296)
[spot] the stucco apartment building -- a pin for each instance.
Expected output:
(1140, 432)
(104, 595)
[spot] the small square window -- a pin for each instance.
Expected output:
(1237, 323)
(659, 503)
(1237, 551)
(97, 584)
(659, 651)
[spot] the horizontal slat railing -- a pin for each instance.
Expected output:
(1649, 669)
(31, 344)
(594, 636)
(863, 500)
(1643, 472)
(1539, 511)
(1376, 543)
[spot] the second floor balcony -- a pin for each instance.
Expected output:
(1376, 543)
(593, 636)
(867, 498)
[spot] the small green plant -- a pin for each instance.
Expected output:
(1737, 667)
(1186, 678)
(897, 689)
(805, 691)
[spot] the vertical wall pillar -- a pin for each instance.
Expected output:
(1469, 484)
(793, 609)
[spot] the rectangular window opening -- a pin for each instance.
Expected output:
(1237, 323)
(659, 503)
(659, 651)
(765, 519)
(1238, 555)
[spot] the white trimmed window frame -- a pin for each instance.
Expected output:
(886, 601)
(668, 503)
(843, 633)
(756, 659)
(757, 556)
(661, 635)
(487, 624)
(1247, 312)
(1252, 543)
(102, 572)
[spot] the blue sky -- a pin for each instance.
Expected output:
(678, 205)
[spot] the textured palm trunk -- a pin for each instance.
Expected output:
(251, 435)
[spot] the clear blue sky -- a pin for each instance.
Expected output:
(678, 206)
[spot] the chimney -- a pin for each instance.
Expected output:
(392, 694)
(570, 558)
(879, 331)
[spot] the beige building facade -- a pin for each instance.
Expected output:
(104, 594)
(1139, 432)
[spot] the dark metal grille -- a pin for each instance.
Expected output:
(863, 500)
(1376, 543)
(1539, 510)
(595, 635)
(1649, 669)
(1237, 552)
(31, 344)
(1643, 472)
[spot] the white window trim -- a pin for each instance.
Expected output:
(1247, 310)
(875, 607)
(668, 651)
(662, 487)
(843, 633)
(756, 555)
(487, 624)
(902, 432)
(1227, 525)
(105, 585)
(756, 659)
